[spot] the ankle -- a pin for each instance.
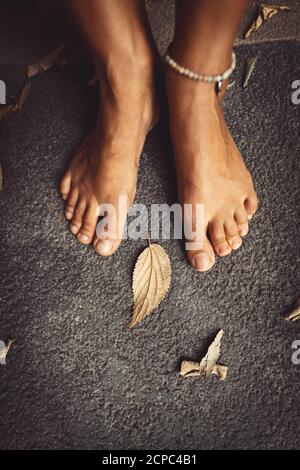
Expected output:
(183, 92)
(213, 60)
(123, 69)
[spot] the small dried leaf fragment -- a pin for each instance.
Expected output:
(4, 351)
(93, 80)
(1, 179)
(250, 65)
(265, 12)
(12, 108)
(230, 85)
(33, 69)
(210, 359)
(208, 364)
(220, 371)
(46, 62)
(6, 110)
(294, 314)
(24, 94)
(151, 281)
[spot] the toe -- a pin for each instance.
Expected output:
(105, 247)
(202, 260)
(241, 219)
(218, 238)
(109, 230)
(76, 221)
(65, 185)
(232, 234)
(88, 227)
(251, 204)
(71, 203)
(243, 229)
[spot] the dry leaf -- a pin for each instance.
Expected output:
(33, 69)
(294, 314)
(4, 351)
(265, 12)
(24, 94)
(46, 62)
(1, 179)
(151, 281)
(93, 80)
(6, 110)
(208, 364)
(230, 85)
(12, 108)
(220, 371)
(250, 64)
(49, 60)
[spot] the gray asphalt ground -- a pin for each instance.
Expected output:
(75, 376)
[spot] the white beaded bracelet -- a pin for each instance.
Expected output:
(218, 79)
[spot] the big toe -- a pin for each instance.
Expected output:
(251, 205)
(202, 259)
(109, 230)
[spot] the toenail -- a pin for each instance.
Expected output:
(83, 238)
(69, 214)
(235, 244)
(202, 261)
(74, 228)
(104, 246)
(224, 250)
(243, 232)
(250, 216)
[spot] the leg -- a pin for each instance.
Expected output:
(105, 165)
(210, 168)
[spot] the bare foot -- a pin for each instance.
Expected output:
(210, 169)
(106, 164)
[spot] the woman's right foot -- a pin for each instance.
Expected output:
(105, 166)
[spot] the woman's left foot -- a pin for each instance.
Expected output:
(210, 169)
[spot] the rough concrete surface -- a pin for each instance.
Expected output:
(76, 377)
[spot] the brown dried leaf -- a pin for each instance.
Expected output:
(24, 94)
(265, 12)
(4, 351)
(6, 110)
(93, 80)
(33, 69)
(294, 314)
(250, 65)
(46, 62)
(220, 371)
(208, 364)
(151, 281)
(12, 108)
(210, 359)
(49, 60)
